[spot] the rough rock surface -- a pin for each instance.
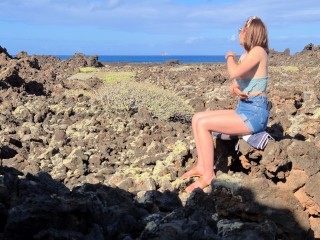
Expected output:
(74, 166)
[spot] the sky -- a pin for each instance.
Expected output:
(149, 27)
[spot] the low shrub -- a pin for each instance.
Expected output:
(131, 96)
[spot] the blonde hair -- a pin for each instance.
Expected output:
(256, 34)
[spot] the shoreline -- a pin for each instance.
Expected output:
(159, 64)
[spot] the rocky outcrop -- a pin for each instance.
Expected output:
(76, 168)
(5, 52)
(309, 56)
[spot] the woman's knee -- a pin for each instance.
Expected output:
(201, 123)
(207, 124)
(196, 117)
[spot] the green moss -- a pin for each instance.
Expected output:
(180, 147)
(88, 69)
(231, 182)
(19, 109)
(290, 69)
(159, 169)
(111, 77)
(178, 150)
(316, 114)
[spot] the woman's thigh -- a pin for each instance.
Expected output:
(199, 115)
(227, 123)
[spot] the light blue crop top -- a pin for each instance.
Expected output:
(251, 85)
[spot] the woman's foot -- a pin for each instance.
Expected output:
(200, 183)
(194, 172)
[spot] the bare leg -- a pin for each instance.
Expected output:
(198, 170)
(228, 123)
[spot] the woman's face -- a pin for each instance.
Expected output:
(242, 34)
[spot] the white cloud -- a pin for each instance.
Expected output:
(192, 40)
(233, 38)
(113, 3)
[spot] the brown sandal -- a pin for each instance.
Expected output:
(200, 183)
(191, 173)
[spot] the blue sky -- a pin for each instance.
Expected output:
(148, 27)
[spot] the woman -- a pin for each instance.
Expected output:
(251, 115)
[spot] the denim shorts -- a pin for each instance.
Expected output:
(254, 112)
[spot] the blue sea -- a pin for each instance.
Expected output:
(157, 58)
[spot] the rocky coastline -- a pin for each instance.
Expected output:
(92, 150)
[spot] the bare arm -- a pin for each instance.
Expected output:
(252, 59)
(235, 88)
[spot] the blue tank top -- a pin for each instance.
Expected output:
(252, 85)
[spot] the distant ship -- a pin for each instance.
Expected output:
(163, 53)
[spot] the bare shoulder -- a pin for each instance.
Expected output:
(257, 50)
(258, 53)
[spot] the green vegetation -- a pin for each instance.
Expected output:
(120, 93)
(290, 69)
(111, 77)
(316, 114)
(88, 69)
(131, 96)
(108, 77)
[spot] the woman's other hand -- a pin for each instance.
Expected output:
(236, 91)
(240, 94)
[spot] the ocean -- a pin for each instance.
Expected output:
(157, 58)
